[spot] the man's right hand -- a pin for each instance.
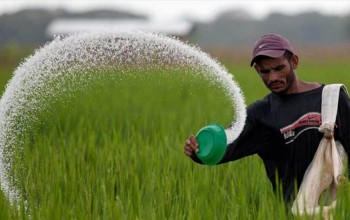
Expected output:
(191, 146)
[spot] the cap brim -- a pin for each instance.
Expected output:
(268, 53)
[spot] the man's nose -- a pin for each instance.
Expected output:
(274, 75)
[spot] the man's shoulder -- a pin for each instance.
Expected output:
(264, 101)
(343, 93)
(260, 104)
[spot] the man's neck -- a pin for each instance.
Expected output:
(302, 86)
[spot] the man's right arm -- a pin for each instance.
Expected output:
(248, 142)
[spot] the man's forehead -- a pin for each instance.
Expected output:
(269, 62)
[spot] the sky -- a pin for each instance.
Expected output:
(203, 10)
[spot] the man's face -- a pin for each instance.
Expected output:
(278, 73)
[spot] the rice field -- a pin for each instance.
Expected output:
(115, 151)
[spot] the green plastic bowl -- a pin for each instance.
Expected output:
(212, 144)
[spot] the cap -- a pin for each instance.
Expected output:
(271, 45)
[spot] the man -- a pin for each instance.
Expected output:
(282, 128)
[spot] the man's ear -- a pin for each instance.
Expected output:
(294, 61)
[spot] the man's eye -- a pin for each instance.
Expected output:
(264, 71)
(279, 68)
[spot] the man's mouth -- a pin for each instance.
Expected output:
(276, 85)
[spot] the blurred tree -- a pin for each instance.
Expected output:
(231, 28)
(234, 14)
(347, 22)
(27, 27)
(237, 28)
(307, 27)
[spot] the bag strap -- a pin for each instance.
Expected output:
(329, 108)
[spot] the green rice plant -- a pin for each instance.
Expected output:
(114, 150)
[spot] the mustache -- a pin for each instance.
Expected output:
(275, 82)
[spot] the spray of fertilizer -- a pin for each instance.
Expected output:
(46, 73)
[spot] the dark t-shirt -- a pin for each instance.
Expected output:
(283, 131)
